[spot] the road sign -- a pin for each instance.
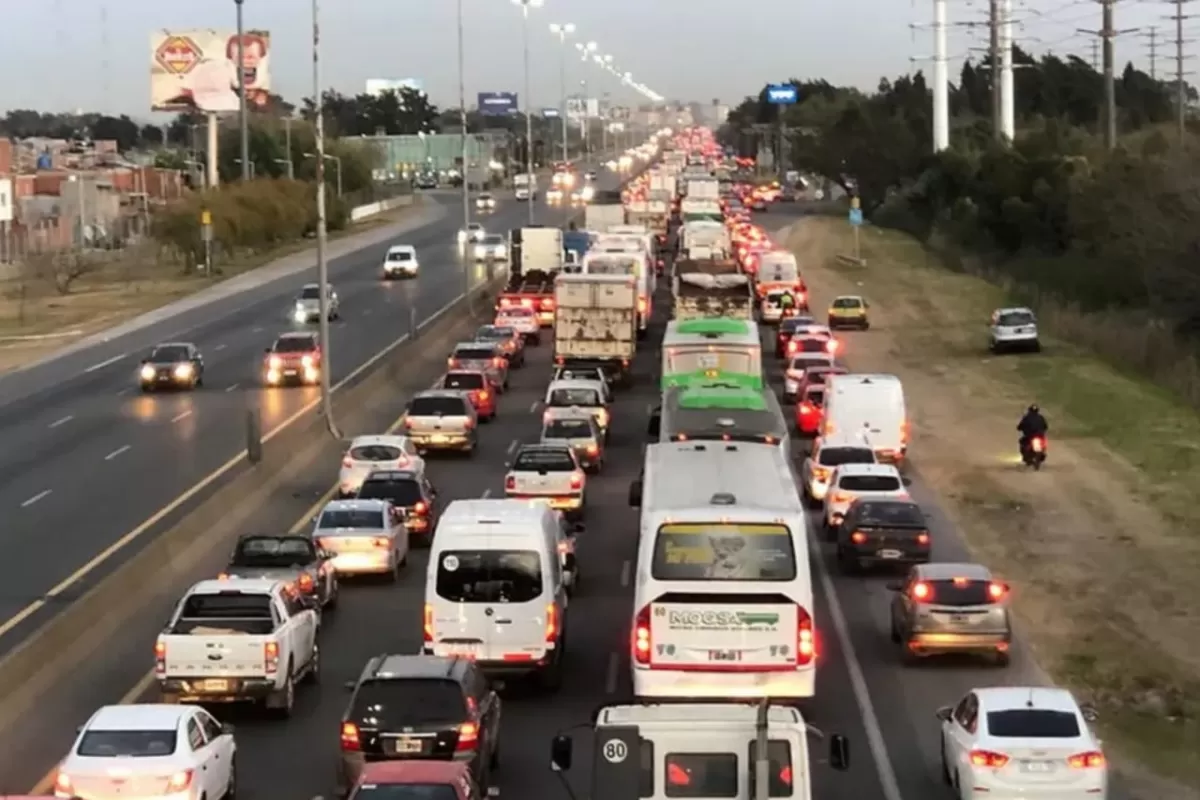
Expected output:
(206, 217)
(856, 217)
(782, 94)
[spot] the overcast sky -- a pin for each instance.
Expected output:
(94, 54)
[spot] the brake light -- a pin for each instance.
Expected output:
(551, 622)
(548, 304)
(347, 462)
(832, 345)
(642, 306)
(271, 657)
(806, 639)
(593, 450)
(306, 583)
(468, 737)
(527, 302)
(576, 480)
(483, 396)
(1039, 444)
(1092, 759)
(802, 297)
(922, 538)
(842, 497)
(986, 758)
(497, 362)
(380, 542)
(806, 409)
(349, 738)
(922, 592)
(224, 576)
(792, 347)
(510, 484)
(505, 302)
(641, 636)
(427, 624)
(180, 781)
(858, 537)
(996, 591)
(160, 658)
(62, 785)
(452, 362)
(421, 508)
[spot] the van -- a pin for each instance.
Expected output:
(871, 406)
(723, 598)
(495, 590)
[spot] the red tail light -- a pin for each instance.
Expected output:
(505, 302)
(421, 508)
(381, 542)
(62, 785)
(349, 738)
(306, 583)
(792, 348)
(593, 450)
(922, 592)
(922, 538)
(858, 537)
(806, 637)
(452, 363)
(996, 591)
(160, 658)
(551, 622)
(806, 409)
(802, 297)
(510, 484)
(527, 302)
(832, 345)
(497, 362)
(576, 480)
(427, 624)
(347, 462)
(641, 636)
(468, 737)
(641, 305)
(986, 758)
(271, 657)
(548, 304)
(1092, 759)
(1038, 444)
(180, 781)
(483, 396)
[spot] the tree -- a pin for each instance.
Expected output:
(403, 112)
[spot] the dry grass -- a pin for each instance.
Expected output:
(1101, 544)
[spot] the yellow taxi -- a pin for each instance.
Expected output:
(849, 311)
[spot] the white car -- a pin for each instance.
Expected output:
(307, 308)
(591, 395)
(492, 247)
(401, 262)
(793, 374)
(474, 232)
(1014, 329)
(521, 319)
(1021, 742)
(149, 750)
(824, 458)
(547, 472)
(565, 373)
(364, 536)
(851, 482)
(485, 202)
(367, 454)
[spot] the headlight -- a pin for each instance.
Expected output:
(183, 371)
(307, 361)
(147, 372)
(275, 363)
(301, 315)
(480, 252)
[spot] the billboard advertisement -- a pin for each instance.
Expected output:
(579, 107)
(377, 86)
(197, 70)
(497, 103)
(550, 113)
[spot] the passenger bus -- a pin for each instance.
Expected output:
(719, 411)
(699, 350)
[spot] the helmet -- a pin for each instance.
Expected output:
(1033, 409)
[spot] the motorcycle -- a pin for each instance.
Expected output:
(1033, 451)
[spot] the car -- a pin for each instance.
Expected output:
(850, 482)
(295, 359)
(492, 247)
(146, 750)
(797, 370)
(437, 780)
(826, 456)
(511, 343)
(818, 375)
(373, 452)
(883, 533)
(485, 202)
(420, 708)
(550, 473)
(1014, 329)
(289, 557)
(524, 320)
(941, 608)
(1017, 742)
(849, 311)
(307, 308)
(485, 357)
(413, 499)
(787, 327)
(597, 374)
(554, 196)
(577, 429)
(474, 232)
(475, 385)
(809, 410)
(401, 262)
(171, 365)
(591, 395)
(426, 180)
(442, 419)
(365, 537)
(810, 341)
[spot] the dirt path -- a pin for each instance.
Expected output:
(1108, 589)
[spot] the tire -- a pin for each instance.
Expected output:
(331, 603)
(494, 761)
(866, 326)
(946, 779)
(642, 333)
(849, 565)
(1001, 659)
(895, 632)
(288, 695)
(393, 576)
(231, 786)
(550, 679)
(313, 676)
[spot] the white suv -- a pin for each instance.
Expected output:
(1014, 329)
(851, 482)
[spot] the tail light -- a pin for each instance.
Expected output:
(602, 417)
(923, 538)
(551, 623)
(180, 781)
(1039, 444)
(576, 480)
(802, 297)
(548, 304)
(347, 462)
(452, 363)
(271, 657)
(641, 636)
(62, 785)
(806, 638)
(160, 658)
(922, 592)
(224, 576)
(351, 743)
(307, 583)
(483, 396)
(505, 302)
(987, 758)
(821, 473)
(593, 450)
(842, 497)
(996, 591)
(497, 362)
(421, 508)
(427, 624)
(806, 409)
(642, 309)
(1093, 759)
(527, 302)
(858, 537)
(510, 484)
(468, 737)
(468, 424)
(832, 346)
(792, 347)
(380, 542)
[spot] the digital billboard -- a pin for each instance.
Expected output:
(497, 104)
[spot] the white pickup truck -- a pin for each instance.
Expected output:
(232, 641)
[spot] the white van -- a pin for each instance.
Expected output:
(634, 262)
(871, 406)
(495, 590)
(723, 600)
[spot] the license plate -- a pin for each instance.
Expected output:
(724, 655)
(407, 745)
(960, 618)
(1035, 766)
(440, 439)
(215, 685)
(889, 554)
(289, 372)
(462, 650)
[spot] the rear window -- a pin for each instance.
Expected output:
(544, 460)
(1033, 723)
(836, 456)
(492, 332)
(731, 552)
(409, 702)
(889, 514)
(807, 362)
(437, 407)
(402, 493)
(295, 344)
(574, 397)
(847, 302)
(352, 518)
(405, 791)
(310, 293)
(1016, 318)
(960, 593)
(464, 380)
(814, 397)
(869, 483)
(567, 429)
(701, 774)
(474, 353)
(375, 452)
(127, 744)
(227, 605)
(779, 756)
(400, 255)
(813, 345)
(489, 576)
(270, 551)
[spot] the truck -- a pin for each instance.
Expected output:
(537, 255)
(596, 322)
(599, 217)
(704, 239)
(693, 209)
(238, 641)
(662, 182)
(711, 288)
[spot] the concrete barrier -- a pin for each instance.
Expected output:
(359, 213)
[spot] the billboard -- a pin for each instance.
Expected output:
(377, 86)
(579, 107)
(497, 103)
(550, 113)
(784, 94)
(197, 70)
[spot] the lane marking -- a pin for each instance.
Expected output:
(533, 407)
(256, 330)
(220, 347)
(625, 573)
(62, 421)
(124, 392)
(231, 388)
(512, 446)
(35, 498)
(610, 675)
(181, 415)
(117, 452)
(106, 362)
(486, 494)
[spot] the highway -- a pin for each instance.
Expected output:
(89, 458)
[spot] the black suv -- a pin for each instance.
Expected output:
(411, 494)
(420, 707)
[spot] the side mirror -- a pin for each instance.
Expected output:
(569, 562)
(906, 481)
(839, 752)
(1089, 712)
(895, 586)
(348, 686)
(560, 753)
(578, 528)
(227, 729)
(944, 713)
(635, 494)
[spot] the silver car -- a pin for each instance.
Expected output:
(486, 357)
(442, 419)
(307, 308)
(575, 428)
(945, 608)
(1014, 329)
(494, 247)
(365, 537)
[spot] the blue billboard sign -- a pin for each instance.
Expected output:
(551, 113)
(782, 94)
(498, 104)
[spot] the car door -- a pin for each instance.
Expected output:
(222, 747)
(394, 519)
(206, 764)
(300, 629)
(963, 724)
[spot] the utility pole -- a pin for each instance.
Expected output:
(994, 58)
(1152, 35)
(1096, 54)
(243, 120)
(1106, 35)
(1180, 86)
(322, 233)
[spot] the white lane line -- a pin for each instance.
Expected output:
(610, 676)
(35, 498)
(625, 573)
(117, 452)
(106, 362)
(124, 392)
(858, 682)
(512, 446)
(181, 415)
(256, 330)
(62, 421)
(533, 407)
(231, 388)
(486, 494)
(220, 347)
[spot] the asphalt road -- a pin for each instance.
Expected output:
(89, 458)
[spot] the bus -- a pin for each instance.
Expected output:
(699, 350)
(721, 412)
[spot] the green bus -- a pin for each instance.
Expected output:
(719, 411)
(705, 350)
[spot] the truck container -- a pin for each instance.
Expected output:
(537, 256)
(596, 322)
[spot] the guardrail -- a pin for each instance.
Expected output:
(360, 213)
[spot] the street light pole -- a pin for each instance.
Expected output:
(525, 6)
(563, 31)
(243, 120)
(462, 112)
(322, 232)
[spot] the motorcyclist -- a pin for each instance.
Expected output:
(1032, 425)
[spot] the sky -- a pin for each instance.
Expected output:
(94, 55)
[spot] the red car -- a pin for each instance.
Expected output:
(810, 410)
(476, 387)
(381, 780)
(818, 375)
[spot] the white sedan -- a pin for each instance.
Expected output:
(149, 751)
(367, 454)
(1021, 742)
(492, 247)
(474, 232)
(851, 482)
(523, 320)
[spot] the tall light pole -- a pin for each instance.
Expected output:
(462, 118)
(586, 51)
(243, 120)
(322, 233)
(563, 31)
(525, 6)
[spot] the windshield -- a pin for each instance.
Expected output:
(396, 703)
(960, 592)
(230, 604)
(567, 429)
(791, 324)
(375, 452)
(400, 255)
(847, 302)
(493, 240)
(272, 551)
(310, 293)
(352, 518)
(544, 459)
(466, 381)
(885, 514)
(126, 744)
(836, 456)
(703, 358)
(814, 397)
(295, 344)
(869, 483)
(1033, 723)
(1012, 318)
(724, 551)
(404, 493)
(437, 407)
(405, 791)
(489, 576)
(575, 397)
(169, 354)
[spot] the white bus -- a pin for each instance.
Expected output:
(723, 598)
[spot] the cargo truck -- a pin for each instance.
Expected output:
(711, 288)
(596, 322)
(536, 256)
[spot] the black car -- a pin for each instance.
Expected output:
(787, 328)
(410, 494)
(420, 707)
(426, 180)
(172, 365)
(292, 558)
(882, 532)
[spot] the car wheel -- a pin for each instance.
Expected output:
(946, 779)
(393, 575)
(830, 531)
(313, 676)
(895, 631)
(231, 785)
(285, 698)
(550, 679)
(1001, 658)
(1037, 347)
(331, 603)
(494, 761)
(866, 326)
